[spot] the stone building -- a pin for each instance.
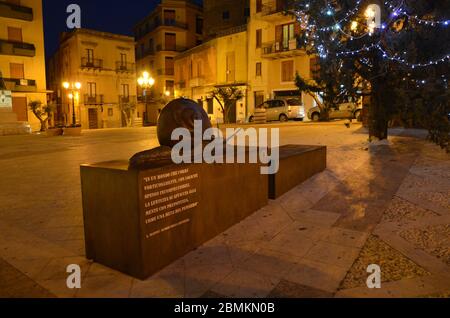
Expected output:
(22, 62)
(220, 62)
(174, 26)
(104, 64)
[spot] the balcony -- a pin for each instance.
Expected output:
(274, 10)
(170, 48)
(127, 99)
(125, 67)
(166, 71)
(147, 52)
(17, 48)
(20, 85)
(197, 81)
(91, 64)
(14, 11)
(161, 23)
(279, 50)
(93, 100)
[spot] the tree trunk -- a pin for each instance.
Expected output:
(378, 120)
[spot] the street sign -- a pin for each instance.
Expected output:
(5, 99)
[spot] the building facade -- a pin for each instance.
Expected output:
(223, 15)
(220, 62)
(174, 26)
(274, 54)
(22, 57)
(104, 64)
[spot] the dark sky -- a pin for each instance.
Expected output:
(117, 16)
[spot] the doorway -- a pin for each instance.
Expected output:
(19, 106)
(93, 118)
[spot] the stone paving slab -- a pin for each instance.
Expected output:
(301, 245)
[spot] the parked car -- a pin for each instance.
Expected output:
(349, 110)
(283, 110)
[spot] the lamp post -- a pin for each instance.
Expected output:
(72, 88)
(146, 82)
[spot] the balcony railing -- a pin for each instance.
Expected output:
(170, 48)
(127, 99)
(166, 71)
(125, 67)
(17, 48)
(20, 85)
(93, 100)
(166, 22)
(272, 49)
(91, 63)
(274, 6)
(15, 11)
(146, 52)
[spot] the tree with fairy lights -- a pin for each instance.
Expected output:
(396, 52)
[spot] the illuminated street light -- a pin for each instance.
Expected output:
(146, 82)
(73, 88)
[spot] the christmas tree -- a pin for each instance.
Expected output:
(396, 52)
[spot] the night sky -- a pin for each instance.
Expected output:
(116, 16)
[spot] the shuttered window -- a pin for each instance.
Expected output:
(287, 71)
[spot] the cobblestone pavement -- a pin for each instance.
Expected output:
(385, 204)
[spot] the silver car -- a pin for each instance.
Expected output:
(283, 110)
(343, 111)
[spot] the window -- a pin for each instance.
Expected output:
(258, 6)
(123, 59)
(125, 90)
(15, 34)
(246, 12)
(171, 41)
(259, 69)
(151, 46)
(92, 89)
(210, 106)
(314, 66)
(258, 38)
(170, 87)
(169, 16)
(16, 70)
(90, 55)
(287, 71)
(110, 112)
(169, 66)
(226, 15)
(199, 25)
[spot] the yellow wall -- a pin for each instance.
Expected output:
(34, 67)
(108, 48)
(270, 81)
(211, 59)
(186, 13)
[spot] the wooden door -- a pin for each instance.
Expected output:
(93, 118)
(20, 107)
(15, 34)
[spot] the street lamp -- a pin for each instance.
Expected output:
(73, 89)
(146, 82)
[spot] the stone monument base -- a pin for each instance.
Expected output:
(298, 163)
(139, 221)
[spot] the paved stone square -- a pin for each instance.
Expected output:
(385, 204)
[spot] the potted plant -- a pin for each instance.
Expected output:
(73, 130)
(42, 112)
(55, 131)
